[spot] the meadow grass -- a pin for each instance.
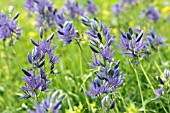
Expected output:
(75, 72)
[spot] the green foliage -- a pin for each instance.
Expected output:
(75, 76)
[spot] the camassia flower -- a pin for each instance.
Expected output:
(60, 19)
(117, 8)
(91, 7)
(67, 33)
(109, 77)
(42, 48)
(154, 40)
(164, 81)
(45, 12)
(36, 78)
(8, 26)
(74, 9)
(130, 2)
(152, 13)
(51, 104)
(133, 44)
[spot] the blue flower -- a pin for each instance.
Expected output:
(163, 80)
(159, 91)
(67, 33)
(130, 2)
(107, 70)
(45, 12)
(117, 8)
(152, 13)
(132, 44)
(52, 104)
(8, 26)
(154, 40)
(33, 83)
(36, 78)
(91, 7)
(74, 9)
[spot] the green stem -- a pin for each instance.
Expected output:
(125, 104)
(16, 57)
(82, 77)
(150, 82)
(164, 107)
(161, 73)
(13, 50)
(158, 67)
(69, 104)
(116, 108)
(7, 60)
(140, 90)
(146, 76)
(81, 51)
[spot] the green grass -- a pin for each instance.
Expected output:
(74, 69)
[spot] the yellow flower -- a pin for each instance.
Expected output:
(31, 34)
(105, 14)
(75, 108)
(156, 77)
(165, 10)
(131, 24)
(168, 47)
(92, 104)
(153, 68)
(159, 85)
(132, 109)
(162, 76)
(69, 111)
(114, 30)
(78, 109)
(80, 105)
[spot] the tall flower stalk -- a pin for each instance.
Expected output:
(36, 77)
(8, 30)
(108, 76)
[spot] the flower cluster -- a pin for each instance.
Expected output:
(109, 77)
(133, 44)
(8, 26)
(50, 104)
(117, 8)
(74, 9)
(154, 41)
(36, 77)
(47, 16)
(152, 13)
(91, 7)
(60, 19)
(130, 2)
(120, 6)
(164, 81)
(67, 33)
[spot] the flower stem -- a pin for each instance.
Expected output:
(16, 57)
(7, 60)
(164, 107)
(122, 99)
(161, 73)
(81, 50)
(117, 111)
(146, 76)
(158, 67)
(82, 77)
(137, 77)
(69, 104)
